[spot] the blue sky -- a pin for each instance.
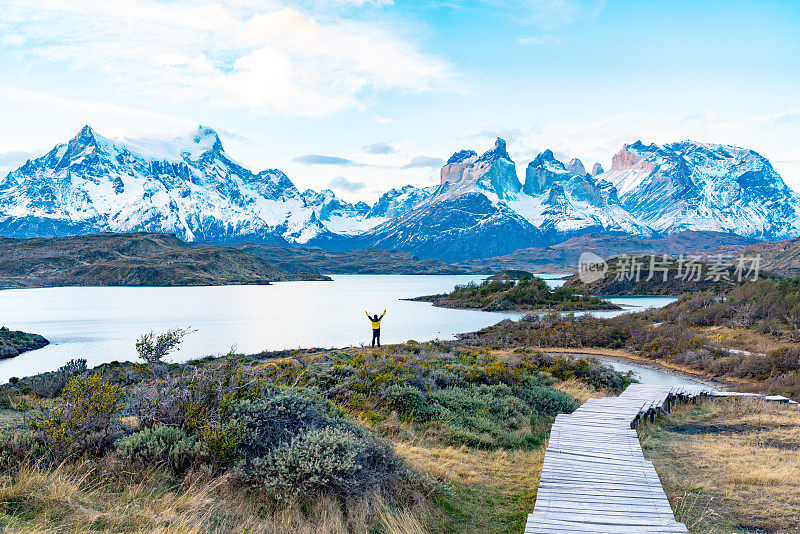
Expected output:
(362, 95)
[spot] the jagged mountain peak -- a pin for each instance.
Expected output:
(461, 156)
(575, 166)
(498, 151)
(597, 169)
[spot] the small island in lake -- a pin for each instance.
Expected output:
(13, 342)
(517, 291)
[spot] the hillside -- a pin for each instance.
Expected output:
(138, 259)
(563, 257)
(13, 342)
(780, 257)
(680, 278)
(516, 291)
(361, 261)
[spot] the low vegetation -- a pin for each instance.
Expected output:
(14, 342)
(681, 335)
(517, 290)
(648, 275)
(295, 441)
(729, 466)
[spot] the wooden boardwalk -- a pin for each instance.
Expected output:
(595, 477)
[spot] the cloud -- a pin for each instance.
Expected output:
(317, 159)
(786, 116)
(539, 41)
(241, 55)
(423, 161)
(378, 148)
(342, 183)
(15, 158)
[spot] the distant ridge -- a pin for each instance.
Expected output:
(191, 187)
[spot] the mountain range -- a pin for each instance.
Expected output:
(190, 187)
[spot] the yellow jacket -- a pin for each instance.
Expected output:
(376, 325)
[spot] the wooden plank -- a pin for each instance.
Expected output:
(595, 477)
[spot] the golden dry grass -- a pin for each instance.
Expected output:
(494, 491)
(580, 391)
(77, 499)
(741, 338)
(730, 465)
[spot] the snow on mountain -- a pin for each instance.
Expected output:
(467, 216)
(703, 186)
(562, 199)
(188, 186)
(493, 172)
(397, 201)
(191, 187)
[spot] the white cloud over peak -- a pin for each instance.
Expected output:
(266, 58)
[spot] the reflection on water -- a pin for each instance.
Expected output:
(101, 324)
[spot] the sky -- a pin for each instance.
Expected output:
(364, 95)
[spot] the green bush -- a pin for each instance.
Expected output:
(21, 447)
(297, 446)
(482, 416)
(331, 460)
(81, 419)
(159, 445)
(546, 400)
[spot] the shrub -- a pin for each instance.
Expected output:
(81, 419)
(331, 460)
(159, 445)
(481, 416)
(297, 446)
(547, 400)
(20, 447)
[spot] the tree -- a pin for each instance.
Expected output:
(154, 348)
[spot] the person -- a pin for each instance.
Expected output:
(376, 327)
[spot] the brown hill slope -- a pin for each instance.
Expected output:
(361, 261)
(563, 257)
(136, 259)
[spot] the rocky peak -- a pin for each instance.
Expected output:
(461, 156)
(630, 159)
(597, 169)
(575, 166)
(499, 151)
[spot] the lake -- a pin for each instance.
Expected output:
(101, 324)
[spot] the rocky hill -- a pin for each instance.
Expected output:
(563, 257)
(295, 260)
(631, 276)
(14, 342)
(137, 259)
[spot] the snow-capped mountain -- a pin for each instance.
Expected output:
(481, 209)
(467, 216)
(189, 186)
(186, 186)
(701, 186)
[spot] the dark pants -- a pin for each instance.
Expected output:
(376, 336)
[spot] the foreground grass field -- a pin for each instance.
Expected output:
(413, 438)
(730, 466)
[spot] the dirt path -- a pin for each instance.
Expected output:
(619, 355)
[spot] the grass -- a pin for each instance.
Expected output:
(77, 498)
(492, 491)
(730, 466)
(471, 424)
